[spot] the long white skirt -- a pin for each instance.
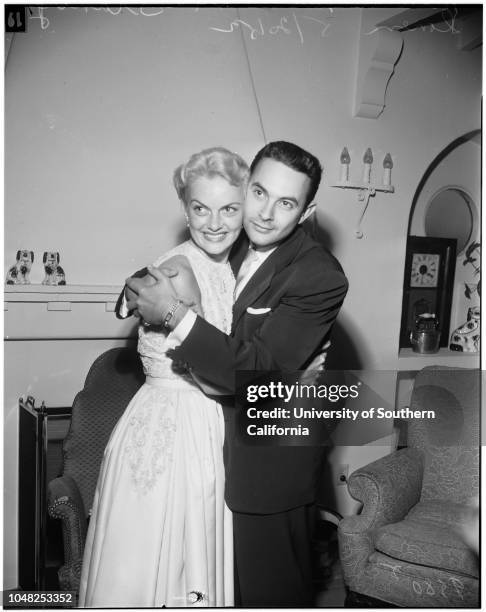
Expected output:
(160, 532)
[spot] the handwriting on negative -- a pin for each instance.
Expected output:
(140, 11)
(446, 24)
(286, 25)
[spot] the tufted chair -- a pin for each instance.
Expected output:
(112, 381)
(405, 547)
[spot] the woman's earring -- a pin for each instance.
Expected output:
(187, 220)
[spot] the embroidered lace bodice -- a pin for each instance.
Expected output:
(216, 284)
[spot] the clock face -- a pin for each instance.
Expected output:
(425, 270)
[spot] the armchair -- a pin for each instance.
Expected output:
(112, 381)
(405, 547)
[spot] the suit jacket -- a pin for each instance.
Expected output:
(303, 286)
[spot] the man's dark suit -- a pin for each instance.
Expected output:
(269, 488)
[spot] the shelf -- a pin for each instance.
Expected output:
(62, 293)
(365, 186)
(408, 360)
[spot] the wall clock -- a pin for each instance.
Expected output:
(428, 283)
(425, 270)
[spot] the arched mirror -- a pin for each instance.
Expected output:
(450, 214)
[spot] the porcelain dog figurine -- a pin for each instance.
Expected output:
(466, 337)
(54, 273)
(19, 273)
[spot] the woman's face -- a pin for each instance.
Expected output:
(215, 213)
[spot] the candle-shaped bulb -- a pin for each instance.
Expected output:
(368, 160)
(388, 162)
(368, 156)
(387, 165)
(345, 161)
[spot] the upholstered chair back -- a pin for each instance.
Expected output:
(450, 441)
(112, 381)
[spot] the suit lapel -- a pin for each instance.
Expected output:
(238, 252)
(262, 278)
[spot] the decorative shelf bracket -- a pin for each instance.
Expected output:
(365, 192)
(378, 54)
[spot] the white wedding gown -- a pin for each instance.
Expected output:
(160, 532)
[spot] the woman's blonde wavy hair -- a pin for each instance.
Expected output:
(216, 161)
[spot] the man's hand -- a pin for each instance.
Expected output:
(152, 296)
(132, 291)
(131, 296)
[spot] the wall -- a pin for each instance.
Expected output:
(433, 97)
(97, 118)
(101, 105)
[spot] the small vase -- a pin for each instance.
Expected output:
(466, 337)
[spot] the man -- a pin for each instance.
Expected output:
(288, 294)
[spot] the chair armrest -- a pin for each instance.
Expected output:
(388, 488)
(64, 502)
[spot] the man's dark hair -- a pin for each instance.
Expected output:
(294, 157)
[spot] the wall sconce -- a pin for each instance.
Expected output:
(366, 189)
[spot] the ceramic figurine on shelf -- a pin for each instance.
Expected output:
(19, 273)
(466, 337)
(54, 273)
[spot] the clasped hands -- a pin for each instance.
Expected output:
(152, 296)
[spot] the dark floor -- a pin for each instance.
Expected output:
(328, 578)
(333, 594)
(54, 554)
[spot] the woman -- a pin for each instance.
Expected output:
(160, 533)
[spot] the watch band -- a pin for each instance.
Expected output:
(171, 313)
